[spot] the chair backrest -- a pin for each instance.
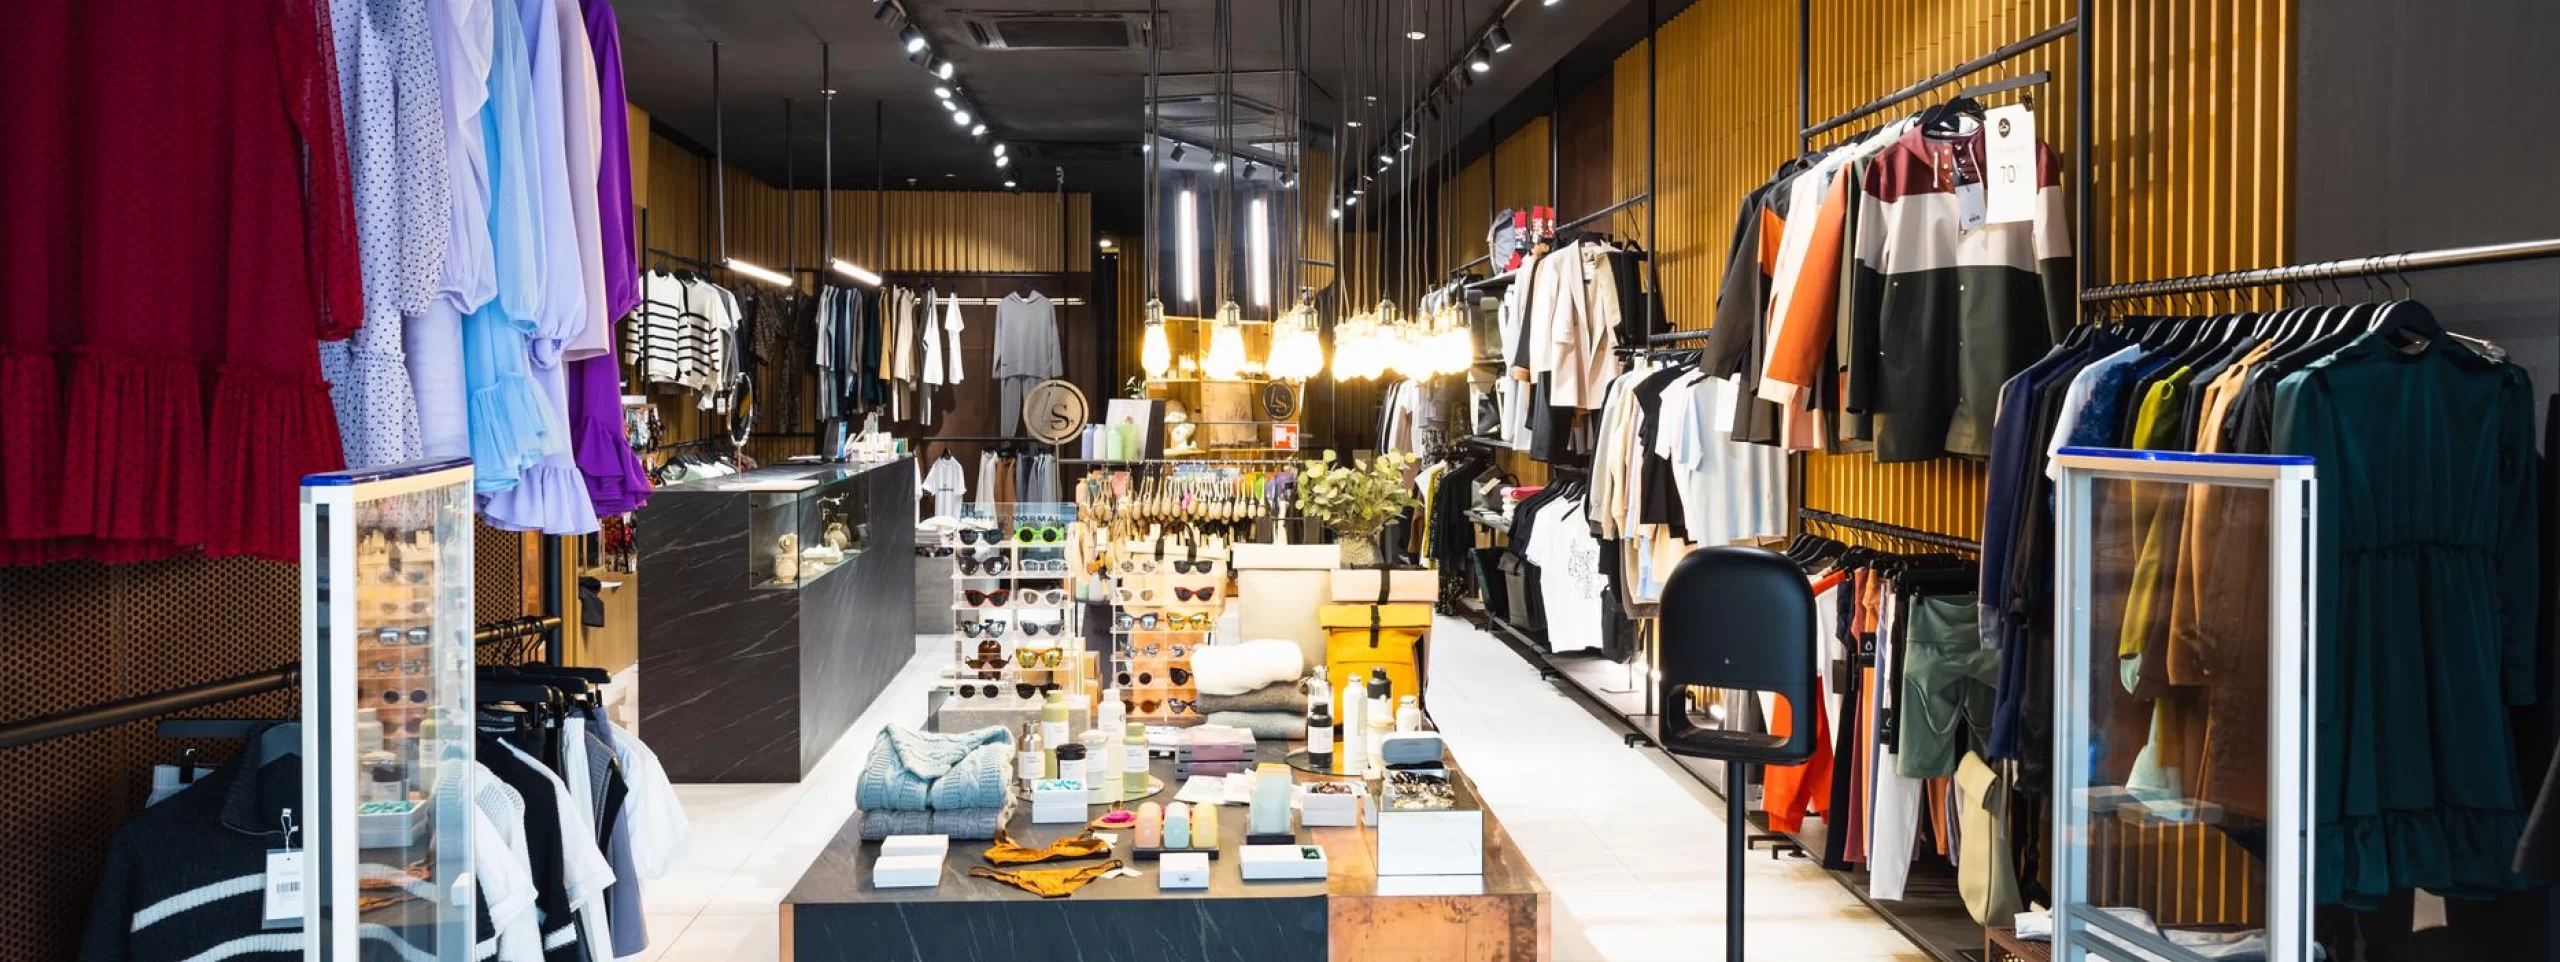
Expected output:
(1738, 618)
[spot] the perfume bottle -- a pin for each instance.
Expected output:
(1353, 722)
(1381, 715)
(1320, 734)
(1133, 759)
(1030, 764)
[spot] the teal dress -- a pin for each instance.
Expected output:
(2425, 608)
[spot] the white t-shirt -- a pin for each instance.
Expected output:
(1569, 577)
(947, 483)
(502, 863)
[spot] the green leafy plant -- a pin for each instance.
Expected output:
(1359, 500)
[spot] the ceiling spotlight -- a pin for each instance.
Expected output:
(1176, 156)
(1337, 213)
(1288, 182)
(914, 38)
(1408, 136)
(1499, 39)
(1414, 35)
(1010, 185)
(1218, 166)
(1373, 98)
(1551, 3)
(978, 130)
(948, 105)
(1002, 162)
(1351, 123)
(1147, 148)
(1106, 243)
(1000, 150)
(1476, 61)
(960, 117)
(942, 91)
(1408, 145)
(943, 70)
(1353, 202)
(880, 9)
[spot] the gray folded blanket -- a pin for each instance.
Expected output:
(1277, 696)
(912, 771)
(1280, 725)
(967, 823)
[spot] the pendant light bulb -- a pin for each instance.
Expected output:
(1156, 353)
(1226, 359)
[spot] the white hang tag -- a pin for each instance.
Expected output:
(283, 889)
(1969, 206)
(2009, 164)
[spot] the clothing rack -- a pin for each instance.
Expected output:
(1889, 530)
(993, 301)
(1221, 462)
(1959, 72)
(1677, 337)
(681, 259)
(2327, 270)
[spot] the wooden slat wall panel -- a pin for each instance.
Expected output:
(1466, 207)
(1520, 167)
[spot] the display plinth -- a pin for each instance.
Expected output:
(835, 913)
(750, 676)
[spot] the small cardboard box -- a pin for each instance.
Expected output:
(1056, 801)
(933, 845)
(1182, 870)
(1431, 841)
(907, 872)
(1329, 809)
(1282, 862)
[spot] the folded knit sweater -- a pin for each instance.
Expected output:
(971, 823)
(1286, 696)
(913, 771)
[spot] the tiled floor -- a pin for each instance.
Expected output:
(1632, 850)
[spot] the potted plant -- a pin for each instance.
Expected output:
(1356, 502)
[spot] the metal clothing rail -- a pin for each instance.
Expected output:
(665, 254)
(1677, 337)
(2325, 270)
(1889, 530)
(1959, 72)
(1605, 211)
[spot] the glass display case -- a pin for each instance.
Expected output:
(2183, 693)
(804, 526)
(387, 712)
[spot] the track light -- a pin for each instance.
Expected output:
(1386, 158)
(1337, 213)
(1415, 35)
(943, 70)
(1353, 202)
(978, 130)
(767, 275)
(1000, 150)
(1477, 62)
(914, 39)
(1003, 162)
(1499, 39)
(1218, 166)
(942, 91)
(960, 117)
(1010, 185)
(880, 9)
(1176, 156)
(855, 271)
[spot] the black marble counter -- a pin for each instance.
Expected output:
(746, 680)
(834, 913)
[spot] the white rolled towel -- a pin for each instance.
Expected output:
(1237, 669)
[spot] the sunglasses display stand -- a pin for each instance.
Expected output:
(1164, 603)
(1014, 624)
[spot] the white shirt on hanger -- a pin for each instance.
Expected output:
(952, 325)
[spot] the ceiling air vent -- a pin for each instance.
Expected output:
(1052, 30)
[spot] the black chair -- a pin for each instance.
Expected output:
(1737, 618)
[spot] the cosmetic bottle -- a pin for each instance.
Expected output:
(1101, 766)
(1204, 827)
(1353, 728)
(1381, 714)
(1133, 759)
(1053, 720)
(1030, 764)
(1071, 763)
(1320, 735)
(1177, 826)
(1150, 826)
(1408, 714)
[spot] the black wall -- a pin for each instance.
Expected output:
(2425, 125)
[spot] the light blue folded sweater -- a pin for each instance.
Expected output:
(913, 771)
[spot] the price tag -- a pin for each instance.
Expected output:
(2009, 165)
(283, 889)
(1969, 206)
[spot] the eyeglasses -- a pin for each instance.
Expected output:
(979, 536)
(1146, 622)
(980, 599)
(1039, 658)
(1028, 534)
(983, 629)
(991, 690)
(1209, 593)
(1134, 595)
(1035, 599)
(1194, 567)
(1032, 629)
(993, 564)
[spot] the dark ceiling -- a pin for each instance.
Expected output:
(1079, 110)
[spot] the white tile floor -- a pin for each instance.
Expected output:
(1632, 850)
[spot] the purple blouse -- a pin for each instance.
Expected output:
(613, 183)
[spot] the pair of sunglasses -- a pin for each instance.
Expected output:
(394, 636)
(1192, 622)
(1033, 629)
(1049, 566)
(417, 696)
(1147, 706)
(414, 666)
(1155, 649)
(1040, 659)
(992, 690)
(415, 576)
(1030, 534)
(934, 551)
(1128, 596)
(985, 536)
(985, 629)
(1209, 593)
(988, 664)
(1146, 622)
(1028, 598)
(991, 565)
(982, 599)
(1181, 677)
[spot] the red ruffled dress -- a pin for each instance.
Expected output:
(179, 234)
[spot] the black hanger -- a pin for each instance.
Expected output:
(1944, 117)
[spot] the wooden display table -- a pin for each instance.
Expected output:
(833, 912)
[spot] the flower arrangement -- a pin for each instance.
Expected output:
(1357, 501)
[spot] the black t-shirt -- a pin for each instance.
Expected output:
(542, 839)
